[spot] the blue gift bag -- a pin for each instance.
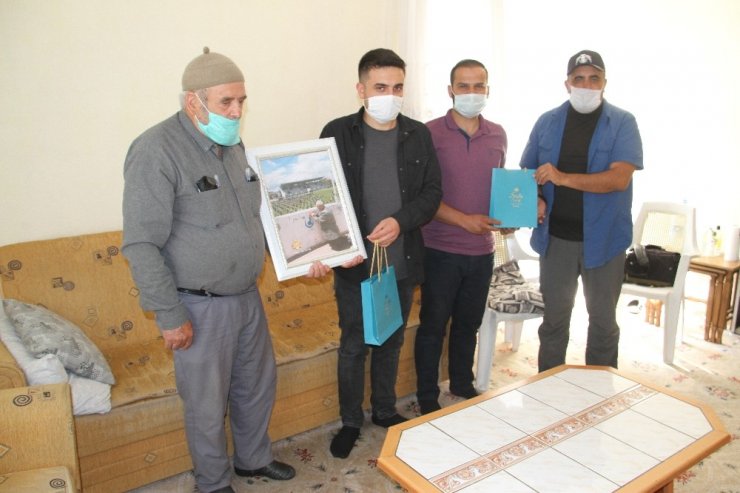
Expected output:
(381, 306)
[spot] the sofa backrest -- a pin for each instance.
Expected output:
(292, 294)
(87, 280)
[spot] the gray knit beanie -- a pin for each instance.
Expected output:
(208, 70)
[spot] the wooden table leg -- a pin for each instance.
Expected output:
(666, 488)
(719, 281)
(709, 320)
(724, 305)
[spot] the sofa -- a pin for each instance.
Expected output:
(86, 280)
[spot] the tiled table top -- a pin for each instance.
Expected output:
(571, 429)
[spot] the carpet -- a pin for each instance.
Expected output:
(704, 371)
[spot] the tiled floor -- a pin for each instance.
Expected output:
(579, 430)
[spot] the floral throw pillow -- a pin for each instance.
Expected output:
(510, 293)
(44, 332)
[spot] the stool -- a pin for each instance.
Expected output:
(653, 310)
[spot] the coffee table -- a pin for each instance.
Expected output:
(571, 429)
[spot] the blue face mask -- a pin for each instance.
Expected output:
(221, 130)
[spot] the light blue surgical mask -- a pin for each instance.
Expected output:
(470, 105)
(221, 130)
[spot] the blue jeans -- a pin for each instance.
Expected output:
(353, 351)
(560, 268)
(455, 286)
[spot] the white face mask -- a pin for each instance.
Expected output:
(383, 109)
(585, 100)
(469, 105)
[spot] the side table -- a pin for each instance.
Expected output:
(723, 286)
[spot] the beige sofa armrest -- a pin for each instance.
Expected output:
(38, 429)
(11, 375)
(48, 479)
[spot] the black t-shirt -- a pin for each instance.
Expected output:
(566, 217)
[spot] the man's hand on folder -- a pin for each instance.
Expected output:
(478, 223)
(481, 224)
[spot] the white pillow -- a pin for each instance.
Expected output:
(89, 396)
(44, 332)
(45, 370)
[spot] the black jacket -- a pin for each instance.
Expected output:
(418, 176)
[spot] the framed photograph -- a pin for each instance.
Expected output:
(306, 209)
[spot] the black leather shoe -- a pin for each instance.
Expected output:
(467, 393)
(389, 421)
(274, 470)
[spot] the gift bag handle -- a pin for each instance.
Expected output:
(379, 254)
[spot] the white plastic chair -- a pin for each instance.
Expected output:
(507, 248)
(672, 226)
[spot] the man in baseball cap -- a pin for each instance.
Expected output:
(195, 248)
(586, 57)
(584, 154)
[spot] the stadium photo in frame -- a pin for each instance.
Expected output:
(306, 208)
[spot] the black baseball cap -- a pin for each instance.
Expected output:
(585, 57)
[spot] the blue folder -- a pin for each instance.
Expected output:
(514, 198)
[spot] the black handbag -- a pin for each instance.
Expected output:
(651, 265)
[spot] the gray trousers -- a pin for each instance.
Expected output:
(560, 268)
(231, 363)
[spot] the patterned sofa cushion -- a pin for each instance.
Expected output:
(44, 332)
(511, 293)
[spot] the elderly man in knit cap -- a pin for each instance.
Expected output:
(195, 246)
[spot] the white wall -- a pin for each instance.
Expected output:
(81, 79)
(672, 63)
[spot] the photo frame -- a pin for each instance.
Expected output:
(306, 210)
